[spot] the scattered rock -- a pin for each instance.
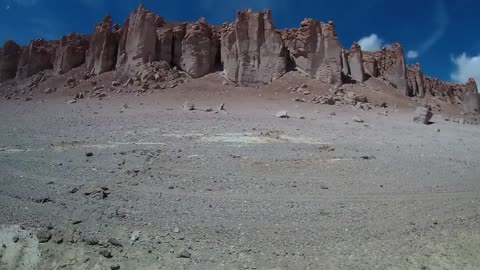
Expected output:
(423, 115)
(134, 238)
(15, 239)
(282, 114)
(115, 267)
(357, 119)
(72, 101)
(209, 109)
(44, 235)
(89, 154)
(114, 242)
(188, 106)
(184, 254)
(221, 107)
(106, 253)
(115, 83)
(91, 240)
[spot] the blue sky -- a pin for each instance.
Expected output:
(442, 35)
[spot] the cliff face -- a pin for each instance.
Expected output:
(316, 50)
(38, 56)
(390, 64)
(9, 57)
(70, 53)
(250, 49)
(102, 54)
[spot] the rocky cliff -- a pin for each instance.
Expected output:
(315, 49)
(38, 56)
(70, 53)
(9, 57)
(102, 54)
(250, 50)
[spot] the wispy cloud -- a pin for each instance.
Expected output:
(466, 67)
(440, 21)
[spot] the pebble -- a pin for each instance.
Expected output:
(44, 236)
(357, 119)
(105, 253)
(89, 154)
(282, 114)
(114, 242)
(184, 254)
(115, 267)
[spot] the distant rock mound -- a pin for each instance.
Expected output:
(252, 51)
(38, 56)
(70, 53)
(9, 57)
(102, 54)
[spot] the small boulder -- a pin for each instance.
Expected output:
(184, 254)
(282, 114)
(423, 115)
(44, 236)
(357, 119)
(188, 106)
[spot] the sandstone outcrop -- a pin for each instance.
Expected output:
(179, 32)
(471, 86)
(199, 49)
(70, 53)
(316, 50)
(38, 56)
(252, 51)
(138, 43)
(389, 63)
(416, 81)
(9, 57)
(102, 54)
(355, 63)
(165, 43)
(471, 98)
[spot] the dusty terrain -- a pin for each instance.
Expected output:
(135, 182)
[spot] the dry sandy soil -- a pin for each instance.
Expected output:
(137, 182)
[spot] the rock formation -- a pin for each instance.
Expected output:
(471, 86)
(38, 56)
(416, 81)
(199, 49)
(471, 98)
(355, 63)
(253, 52)
(316, 50)
(165, 44)
(70, 53)
(138, 43)
(9, 57)
(390, 64)
(179, 32)
(102, 54)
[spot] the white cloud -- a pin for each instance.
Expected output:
(466, 67)
(412, 54)
(371, 43)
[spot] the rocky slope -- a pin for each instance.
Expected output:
(250, 51)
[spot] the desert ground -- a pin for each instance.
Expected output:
(138, 182)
